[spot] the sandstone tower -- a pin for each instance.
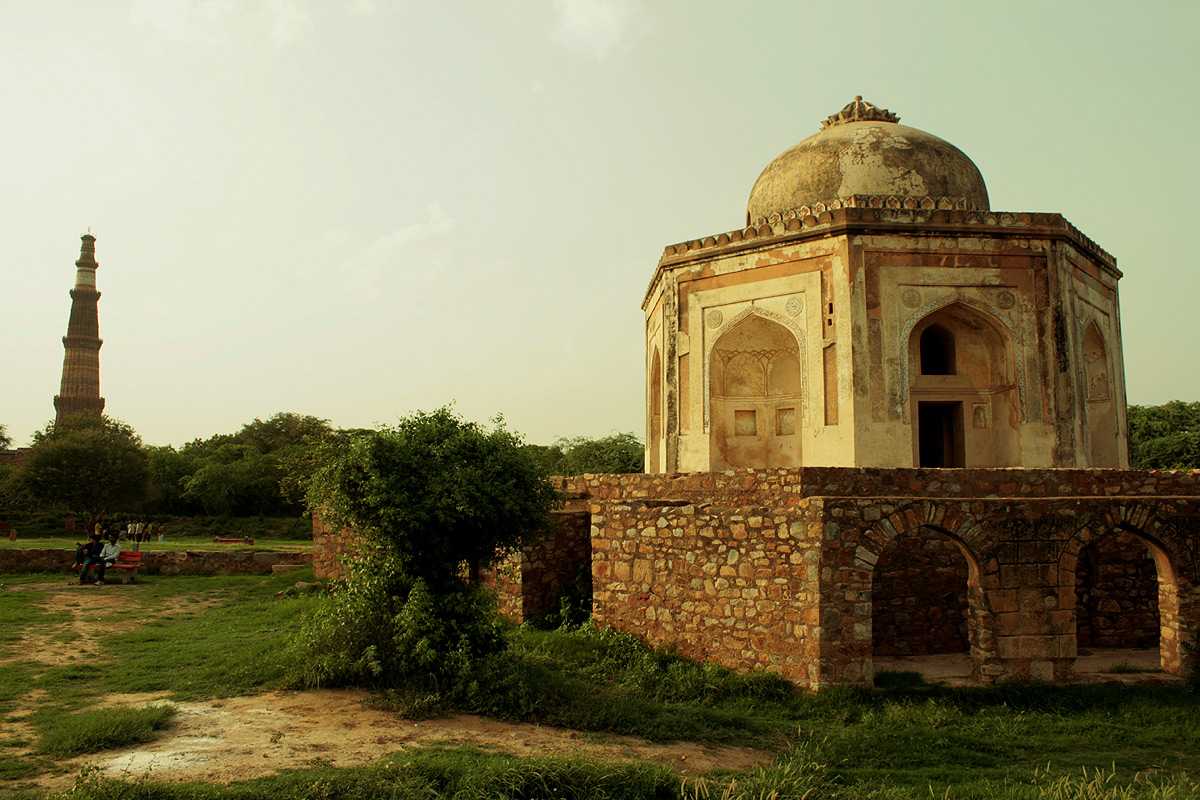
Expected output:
(80, 389)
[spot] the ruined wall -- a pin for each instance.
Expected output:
(175, 562)
(774, 487)
(530, 582)
(1116, 584)
(329, 547)
(750, 569)
(735, 586)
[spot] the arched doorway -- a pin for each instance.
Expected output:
(755, 396)
(1123, 584)
(654, 440)
(1101, 410)
(963, 397)
(926, 607)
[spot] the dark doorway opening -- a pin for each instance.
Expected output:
(940, 434)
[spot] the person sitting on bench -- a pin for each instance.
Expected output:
(91, 556)
(110, 551)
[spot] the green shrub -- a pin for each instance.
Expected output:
(383, 628)
(104, 729)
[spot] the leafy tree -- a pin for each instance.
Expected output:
(1165, 436)
(436, 491)
(14, 490)
(284, 430)
(86, 463)
(548, 457)
(5, 439)
(430, 495)
(264, 468)
(615, 453)
(235, 480)
(168, 469)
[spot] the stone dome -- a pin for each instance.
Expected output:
(862, 156)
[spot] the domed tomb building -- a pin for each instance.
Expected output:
(874, 311)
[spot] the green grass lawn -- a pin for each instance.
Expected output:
(170, 545)
(907, 741)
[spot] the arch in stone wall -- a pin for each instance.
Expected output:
(961, 528)
(965, 413)
(1178, 621)
(911, 322)
(756, 394)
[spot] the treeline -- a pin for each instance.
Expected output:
(99, 464)
(1165, 437)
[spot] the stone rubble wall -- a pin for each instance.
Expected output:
(176, 562)
(738, 586)
(811, 572)
(781, 487)
(530, 582)
(329, 548)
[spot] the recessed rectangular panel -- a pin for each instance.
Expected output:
(745, 423)
(785, 421)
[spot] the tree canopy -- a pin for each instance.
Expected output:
(94, 464)
(436, 491)
(1165, 436)
(5, 439)
(615, 453)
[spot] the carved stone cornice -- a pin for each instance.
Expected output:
(907, 215)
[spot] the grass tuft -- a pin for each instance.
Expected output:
(103, 729)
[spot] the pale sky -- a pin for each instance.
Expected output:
(360, 209)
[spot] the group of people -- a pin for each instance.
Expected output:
(103, 547)
(96, 555)
(138, 531)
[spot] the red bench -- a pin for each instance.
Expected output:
(126, 565)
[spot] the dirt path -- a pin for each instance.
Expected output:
(249, 737)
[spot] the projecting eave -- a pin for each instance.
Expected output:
(795, 227)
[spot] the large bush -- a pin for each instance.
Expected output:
(382, 627)
(433, 498)
(436, 491)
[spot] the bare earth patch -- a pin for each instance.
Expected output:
(249, 737)
(95, 611)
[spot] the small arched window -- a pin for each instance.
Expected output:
(937, 351)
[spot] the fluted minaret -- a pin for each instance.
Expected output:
(80, 390)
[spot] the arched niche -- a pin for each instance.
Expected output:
(654, 380)
(755, 391)
(1100, 409)
(929, 611)
(1114, 584)
(963, 394)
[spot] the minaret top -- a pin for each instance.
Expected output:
(87, 252)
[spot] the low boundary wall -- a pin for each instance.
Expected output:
(177, 562)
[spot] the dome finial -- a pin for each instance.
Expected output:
(859, 110)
